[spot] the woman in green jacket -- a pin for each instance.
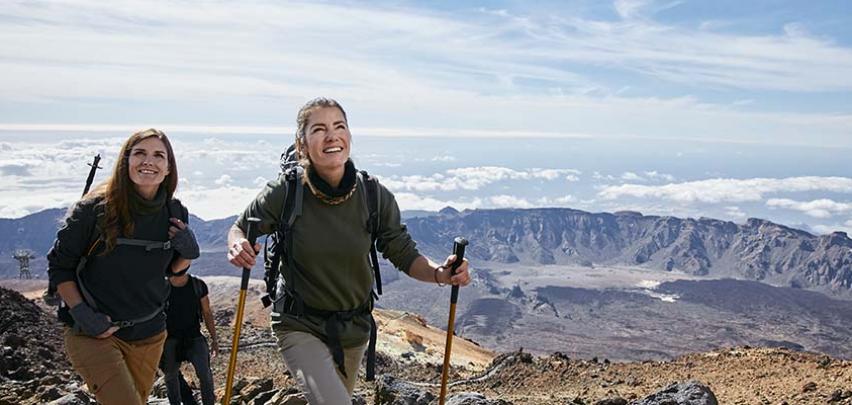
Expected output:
(326, 307)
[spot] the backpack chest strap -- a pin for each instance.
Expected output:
(149, 245)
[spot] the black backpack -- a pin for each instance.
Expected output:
(279, 245)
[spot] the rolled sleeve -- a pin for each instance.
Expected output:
(393, 239)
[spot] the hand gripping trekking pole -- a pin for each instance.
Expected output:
(458, 249)
(238, 321)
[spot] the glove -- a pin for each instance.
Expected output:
(185, 244)
(89, 322)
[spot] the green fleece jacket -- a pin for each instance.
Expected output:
(331, 244)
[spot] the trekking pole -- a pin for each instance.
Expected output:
(238, 321)
(92, 171)
(49, 296)
(458, 249)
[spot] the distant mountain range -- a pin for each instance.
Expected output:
(756, 250)
(522, 259)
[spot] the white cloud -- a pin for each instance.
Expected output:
(223, 180)
(509, 201)
(473, 178)
(659, 176)
(599, 176)
(630, 176)
(503, 69)
(260, 181)
(216, 202)
(727, 190)
(735, 212)
(827, 229)
(629, 9)
(412, 201)
(821, 208)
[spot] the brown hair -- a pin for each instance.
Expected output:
(302, 122)
(116, 190)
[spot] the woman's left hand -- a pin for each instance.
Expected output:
(183, 239)
(462, 275)
(176, 226)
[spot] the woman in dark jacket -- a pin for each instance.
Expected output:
(322, 321)
(109, 263)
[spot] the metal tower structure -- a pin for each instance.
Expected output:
(23, 257)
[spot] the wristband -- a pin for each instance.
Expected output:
(436, 275)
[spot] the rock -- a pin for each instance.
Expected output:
(390, 391)
(473, 398)
(809, 387)
(159, 388)
(13, 340)
(77, 398)
(287, 396)
(260, 399)
(255, 388)
(836, 396)
(688, 393)
(51, 394)
(612, 401)
(239, 385)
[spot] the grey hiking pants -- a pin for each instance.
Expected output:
(311, 364)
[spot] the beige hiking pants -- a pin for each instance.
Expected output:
(117, 372)
(310, 362)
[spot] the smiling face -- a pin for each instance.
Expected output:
(148, 165)
(328, 139)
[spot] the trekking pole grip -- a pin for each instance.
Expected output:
(458, 249)
(251, 235)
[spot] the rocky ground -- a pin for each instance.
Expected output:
(33, 368)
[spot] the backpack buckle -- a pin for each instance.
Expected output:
(167, 245)
(123, 324)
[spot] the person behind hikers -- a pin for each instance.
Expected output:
(330, 244)
(188, 305)
(109, 263)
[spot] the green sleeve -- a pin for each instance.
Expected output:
(267, 206)
(393, 239)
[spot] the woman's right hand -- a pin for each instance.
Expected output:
(241, 254)
(91, 323)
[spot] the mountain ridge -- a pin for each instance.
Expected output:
(757, 249)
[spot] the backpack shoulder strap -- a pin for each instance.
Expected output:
(94, 241)
(291, 211)
(177, 210)
(196, 288)
(371, 188)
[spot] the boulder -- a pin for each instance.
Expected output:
(687, 393)
(390, 391)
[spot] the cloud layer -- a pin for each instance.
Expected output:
(597, 70)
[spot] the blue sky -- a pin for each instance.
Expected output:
(591, 104)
